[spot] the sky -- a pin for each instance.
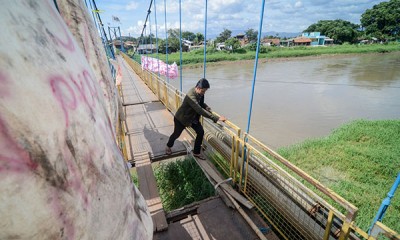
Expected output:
(292, 16)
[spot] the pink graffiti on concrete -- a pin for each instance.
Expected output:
(64, 94)
(13, 158)
(70, 90)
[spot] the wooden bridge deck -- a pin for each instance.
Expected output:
(148, 123)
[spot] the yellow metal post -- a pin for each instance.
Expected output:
(328, 225)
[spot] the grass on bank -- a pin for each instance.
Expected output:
(179, 183)
(360, 162)
(182, 182)
(196, 56)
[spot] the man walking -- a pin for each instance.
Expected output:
(188, 115)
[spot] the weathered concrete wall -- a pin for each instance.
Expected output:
(62, 175)
(81, 25)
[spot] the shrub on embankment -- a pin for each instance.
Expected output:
(360, 162)
(182, 182)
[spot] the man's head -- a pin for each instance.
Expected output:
(202, 86)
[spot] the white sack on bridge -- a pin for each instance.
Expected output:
(62, 175)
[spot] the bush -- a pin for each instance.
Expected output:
(181, 183)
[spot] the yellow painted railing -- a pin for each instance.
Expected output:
(296, 211)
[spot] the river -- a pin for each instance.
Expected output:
(302, 98)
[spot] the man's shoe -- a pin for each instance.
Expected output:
(168, 151)
(199, 156)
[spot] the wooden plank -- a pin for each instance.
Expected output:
(226, 187)
(148, 188)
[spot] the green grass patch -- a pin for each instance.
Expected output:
(181, 183)
(360, 162)
(196, 56)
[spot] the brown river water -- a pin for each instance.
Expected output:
(302, 98)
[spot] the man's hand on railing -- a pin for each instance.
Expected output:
(222, 119)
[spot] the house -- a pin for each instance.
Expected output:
(129, 44)
(117, 44)
(317, 39)
(146, 48)
(369, 41)
(302, 41)
(328, 41)
(271, 42)
(286, 42)
(242, 39)
(187, 43)
(220, 46)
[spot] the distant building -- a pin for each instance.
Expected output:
(146, 48)
(317, 39)
(187, 43)
(271, 42)
(242, 39)
(221, 46)
(302, 41)
(286, 42)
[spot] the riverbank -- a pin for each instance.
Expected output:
(360, 162)
(195, 58)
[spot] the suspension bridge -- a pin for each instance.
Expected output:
(112, 114)
(292, 209)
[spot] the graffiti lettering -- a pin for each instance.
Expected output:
(64, 94)
(68, 95)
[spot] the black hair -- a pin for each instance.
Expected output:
(203, 83)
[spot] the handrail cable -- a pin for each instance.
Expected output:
(166, 38)
(205, 42)
(155, 19)
(150, 40)
(180, 45)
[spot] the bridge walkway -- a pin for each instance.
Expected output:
(148, 125)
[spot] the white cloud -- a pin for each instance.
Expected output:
(132, 6)
(298, 4)
(279, 16)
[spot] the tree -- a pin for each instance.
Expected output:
(188, 36)
(233, 43)
(251, 35)
(173, 45)
(173, 33)
(223, 36)
(199, 38)
(383, 20)
(340, 30)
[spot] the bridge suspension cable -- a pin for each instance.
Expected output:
(166, 36)
(155, 19)
(205, 42)
(180, 45)
(255, 66)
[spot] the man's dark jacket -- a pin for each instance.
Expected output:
(192, 106)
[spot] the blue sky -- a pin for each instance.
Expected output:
(235, 15)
